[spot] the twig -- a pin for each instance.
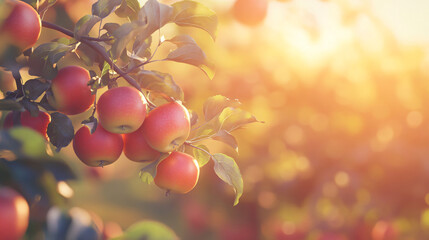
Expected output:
(99, 49)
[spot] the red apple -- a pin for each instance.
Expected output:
(70, 91)
(22, 26)
(250, 12)
(39, 123)
(167, 127)
(384, 230)
(98, 149)
(121, 110)
(136, 148)
(178, 173)
(14, 214)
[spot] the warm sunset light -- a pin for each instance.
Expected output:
(216, 119)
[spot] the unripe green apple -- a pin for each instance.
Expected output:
(167, 127)
(70, 91)
(250, 12)
(22, 26)
(178, 173)
(98, 149)
(121, 109)
(39, 123)
(14, 214)
(136, 148)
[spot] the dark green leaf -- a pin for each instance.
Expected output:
(84, 25)
(189, 52)
(215, 105)
(202, 157)
(123, 35)
(30, 106)
(148, 230)
(195, 14)
(226, 138)
(111, 27)
(87, 55)
(227, 170)
(34, 88)
(60, 130)
(42, 61)
(128, 9)
(160, 82)
(10, 105)
(91, 123)
(103, 8)
(155, 15)
(45, 104)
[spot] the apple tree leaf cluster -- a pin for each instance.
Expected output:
(125, 118)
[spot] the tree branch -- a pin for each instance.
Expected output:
(98, 48)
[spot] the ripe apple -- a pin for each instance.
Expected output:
(14, 214)
(121, 109)
(39, 123)
(70, 91)
(384, 230)
(178, 173)
(250, 12)
(136, 148)
(98, 149)
(167, 127)
(22, 26)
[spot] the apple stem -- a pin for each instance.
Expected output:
(167, 193)
(101, 163)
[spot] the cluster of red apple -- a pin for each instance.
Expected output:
(123, 126)
(122, 111)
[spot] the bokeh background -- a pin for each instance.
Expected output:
(342, 86)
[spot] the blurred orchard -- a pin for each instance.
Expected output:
(343, 153)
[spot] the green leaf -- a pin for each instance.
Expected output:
(87, 55)
(160, 82)
(189, 52)
(44, 6)
(123, 35)
(30, 106)
(155, 15)
(34, 88)
(106, 68)
(227, 170)
(60, 130)
(91, 123)
(45, 104)
(42, 61)
(226, 138)
(202, 157)
(194, 14)
(30, 143)
(215, 105)
(103, 8)
(128, 9)
(111, 27)
(148, 230)
(148, 173)
(10, 105)
(234, 118)
(84, 25)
